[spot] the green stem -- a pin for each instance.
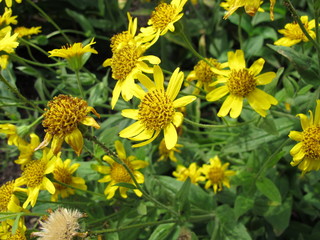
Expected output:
(49, 19)
(115, 156)
(16, 91)
(79, 84)
(34, 46)
(16, 57)
(240, 31)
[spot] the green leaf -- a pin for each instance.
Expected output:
(16, 224)
(302, 63)
(242, 205)
(182, 199)
(268, 125)
(162, 231)
(269, 189)
(82, 20)
(279, 216)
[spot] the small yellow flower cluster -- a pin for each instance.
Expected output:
(215, 174)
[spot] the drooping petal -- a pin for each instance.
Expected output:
(145, 134)
(90, 121)
(236, 106)
(295, 135)
(45, 142)
(170, 136)
(146, 81)
(296, 149)
(75, 140)
(226, 106)
(116, 93)
(56, 144)
(48, 185)
(148, 141)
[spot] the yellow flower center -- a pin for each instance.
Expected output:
(311, 142)
(163, 15)
(34, 173)
(119, 173)
(156, 110)
(216, 175)
(62, 175)
(203, 71)
(241, 82)
(6, 191)
(120, 38)
(124, 60)
(63, 114)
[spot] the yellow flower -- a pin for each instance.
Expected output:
(74, 53)
(61, 121)
(165, 153)
(7, 18)
(250, 6)
(126, 63)
(217, 174)
(306, 153)
(163, 18)
(9, 2)
(11, 131)
(63, 172)
(193, 172)
(23, 31)
(61, 224)
(203, 73)
(8, 42)
(241, 83)
(34, 176)
(6, 230)
(8, 200)
(157, 109)
(4, 60)
(293, 33)
(116, 173)
(27, 149)
(125, 37)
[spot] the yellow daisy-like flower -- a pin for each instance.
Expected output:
(125, 37)
(7, 17)
(61, 121)
(306, 153)
(9, 2)
(165, 153)
(62, 224)
(293, 33)
(126, 63)
(63, 172)
(23, 31)
(6, 230)
(74, 53)
(116, 173)
(217, 174)
(241, 82)
(193, 172)
(27, 149)
(34, 176)
(8, 42)
(157, 109)
(250, 6)
(8, 201)
(203, 73)
(11, 132)
(163, 18)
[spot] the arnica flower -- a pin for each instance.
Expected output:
(193, 172)
(203, 73)
(125, 37)
(62, 224)
(241, 82)
(126, 63)
(293, 33)
(116, 172)
(8, 200)
(250, 6)
(163, 18)
(306, 153)
(9, 2)
(23, 31)
(166, 153)
(6, 230)
(61, 121)
(217, 174)
(74, 54)
(34, 176)
(8, 42)
(63, 172)
(157, 109)
(11, 131)
(7, 18)
(27, 149)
